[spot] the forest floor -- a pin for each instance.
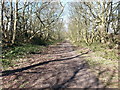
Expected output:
(58, 66)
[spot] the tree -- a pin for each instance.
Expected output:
(15, 21)
(94, 20)
(29, 20)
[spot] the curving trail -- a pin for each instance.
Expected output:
(58, 67)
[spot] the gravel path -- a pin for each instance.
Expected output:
(59, 67)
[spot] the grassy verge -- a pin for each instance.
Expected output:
(103, 61)
(12, 54)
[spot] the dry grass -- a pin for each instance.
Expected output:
(104, 63)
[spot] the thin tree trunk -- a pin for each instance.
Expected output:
(15, 22)
(2, 23)
(11, 18)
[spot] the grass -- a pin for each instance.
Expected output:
(102, 58)
(20, 51)
(102, 50)
(11, 54)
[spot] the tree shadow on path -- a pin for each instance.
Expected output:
(9, 72)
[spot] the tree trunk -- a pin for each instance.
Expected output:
(11, 20)
(2, 23)
(15, 22)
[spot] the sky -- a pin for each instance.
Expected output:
(66, 11)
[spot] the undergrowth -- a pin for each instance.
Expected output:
(101, 50)
(13, 53)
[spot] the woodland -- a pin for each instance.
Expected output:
(29, 28)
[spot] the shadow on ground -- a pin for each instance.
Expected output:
(8, 72)
(68, 72)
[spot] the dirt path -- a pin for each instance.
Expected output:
(59, 67)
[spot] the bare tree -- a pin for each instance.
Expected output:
(15, 22)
